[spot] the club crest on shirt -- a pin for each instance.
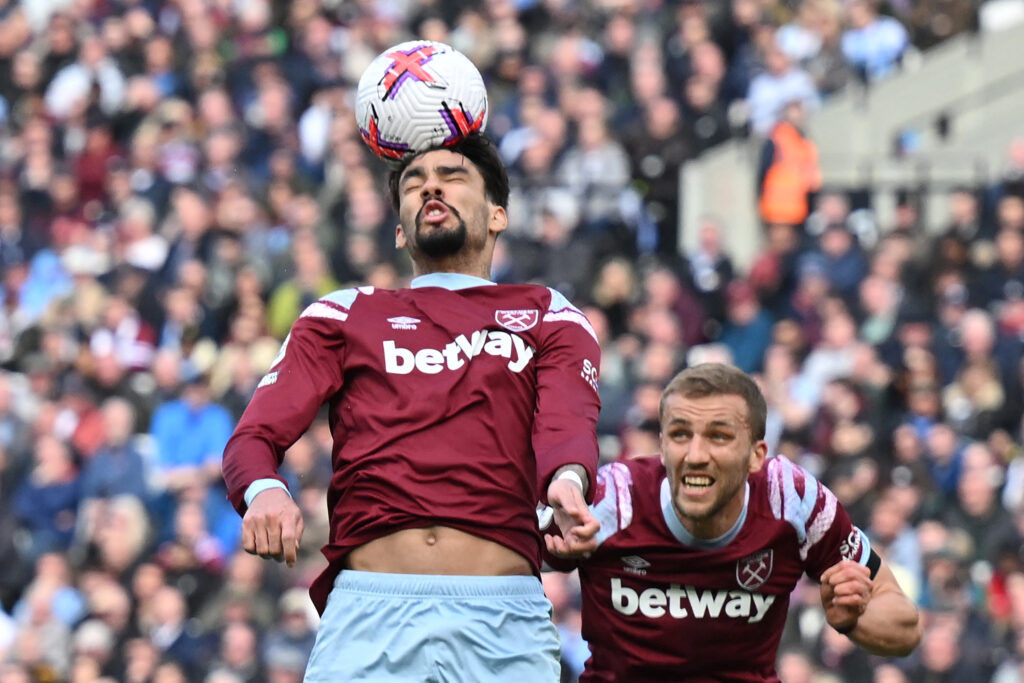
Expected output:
(754, 569)
(517, 320)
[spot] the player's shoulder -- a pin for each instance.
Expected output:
(543, 296)
(643, 468)
(557, 301)
(790, 493)
(338, 305)
(626, 472)
(562, 311)
(623, 489)
(781, 473)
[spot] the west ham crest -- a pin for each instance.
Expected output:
(517, 321)
(754, 569)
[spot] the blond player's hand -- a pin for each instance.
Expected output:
(578, 526)
(272, 526)
(845, 592)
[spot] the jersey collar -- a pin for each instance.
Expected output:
(451, 281)
(668, 511)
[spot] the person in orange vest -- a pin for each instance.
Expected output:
(788, 174)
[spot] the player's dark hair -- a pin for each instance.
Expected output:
(484, 156)
(718, 379)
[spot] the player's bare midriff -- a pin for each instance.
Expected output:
(437, 550)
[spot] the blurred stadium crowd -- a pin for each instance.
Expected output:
(180, 178)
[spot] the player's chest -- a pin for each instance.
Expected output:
(449, 339)
(742, 581)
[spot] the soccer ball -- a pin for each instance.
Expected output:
(418, 95)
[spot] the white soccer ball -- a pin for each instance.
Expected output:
(418, 95)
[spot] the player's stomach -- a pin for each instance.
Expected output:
(437, 550)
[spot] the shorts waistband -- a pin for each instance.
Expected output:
(438, 585)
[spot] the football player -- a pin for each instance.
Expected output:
(455, 404)
(699, 550)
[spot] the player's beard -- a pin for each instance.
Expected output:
(441, 242)
(709, 513)
(730, 486)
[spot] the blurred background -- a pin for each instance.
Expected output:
(827, 193)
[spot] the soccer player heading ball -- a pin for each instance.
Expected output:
(700, 550)
(455, 404)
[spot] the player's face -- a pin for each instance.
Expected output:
(444, 209)
(708, 453)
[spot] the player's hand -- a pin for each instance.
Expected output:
(579, 528)
(272, 526)
(845, 592)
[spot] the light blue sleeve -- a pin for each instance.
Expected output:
(261, 485)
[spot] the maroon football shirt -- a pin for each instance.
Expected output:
(452, 402)
(661, 605)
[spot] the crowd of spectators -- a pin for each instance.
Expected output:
(180, 178)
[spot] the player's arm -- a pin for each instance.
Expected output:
(306, 372)
(565, 421)
(566, 496)
(272, 526)
(612, 508)
(873, 611)
(858, 591)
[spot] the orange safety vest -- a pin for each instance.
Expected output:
(792, 175)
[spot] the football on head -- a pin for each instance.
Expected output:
(418, 95)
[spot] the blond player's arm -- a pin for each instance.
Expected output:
(875, 613)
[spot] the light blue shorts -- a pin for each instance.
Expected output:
(435, 629)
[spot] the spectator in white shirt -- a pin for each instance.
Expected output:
(70, 88)
(874, 43)
(781, 82)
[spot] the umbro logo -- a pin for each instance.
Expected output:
(635, 564)
(403, 322)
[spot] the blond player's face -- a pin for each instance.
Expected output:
(708, 454)
(443, 206)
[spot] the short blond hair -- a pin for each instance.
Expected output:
(719, 379)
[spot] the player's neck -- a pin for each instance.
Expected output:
(719, 528)
(452, 265)
(713, 528)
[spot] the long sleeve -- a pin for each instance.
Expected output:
(307, 371)
(565, 420)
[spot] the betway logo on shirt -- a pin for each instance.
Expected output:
(681, 602)
(456, 353)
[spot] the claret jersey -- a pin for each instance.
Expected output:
(661, 605)
(451, 402)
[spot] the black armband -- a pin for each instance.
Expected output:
(874, 564)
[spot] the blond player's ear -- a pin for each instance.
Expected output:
(758, 455)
